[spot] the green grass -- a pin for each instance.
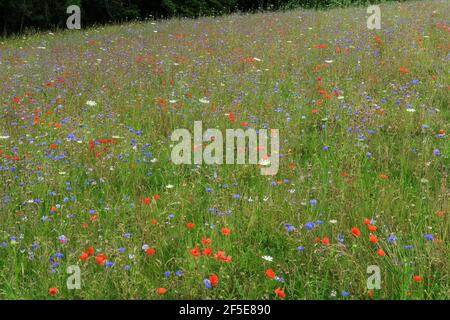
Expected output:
(137, 70)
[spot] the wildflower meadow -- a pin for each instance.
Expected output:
(93, 204)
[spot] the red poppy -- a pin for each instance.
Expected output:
(270, 274)
(381, 252)
(195, 252)
(372, 228)
(90, 251)
(207, 252)
(161, 291)
(325, 241)
(84, 257)
(190, 225)
(383, 176)
(373, 239)
(150, 252)
(220, 256)
(280, 293)
(156, 197)
(206, 241)
(101, 259)
(403, 70)
(147, 201)
(154, 221)
(366, 221)
(356, 232)
(53, 146)
(417, 278)
(214, 280)
(226, 231)
(53, 291)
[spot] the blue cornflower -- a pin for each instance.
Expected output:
(179, 273)
(300, 248)
(167, 274)
(59, 255)
(207, 283)
(313, 202)
(392, 239)
(310, 225)
(289, 227)
(429, 237)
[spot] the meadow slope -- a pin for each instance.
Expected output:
(86, 175)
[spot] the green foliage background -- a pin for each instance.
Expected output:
(17, 16)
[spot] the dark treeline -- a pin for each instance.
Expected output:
(17, 16)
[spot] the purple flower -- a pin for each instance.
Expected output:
(437, 152)
(289, 227)
(310, 225)
(429, 237)
(207, 283)
(179, 273)
(392, 239)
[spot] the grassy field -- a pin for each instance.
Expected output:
(87, 179)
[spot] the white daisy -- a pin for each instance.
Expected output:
(267, 258)
(91, 103)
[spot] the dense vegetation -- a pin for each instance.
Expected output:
(18, 16)
(87, 179)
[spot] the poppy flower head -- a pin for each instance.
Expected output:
(270, 274)
(150, 252)
(214, 280)
(226, 231)
(221, 256)
(84, 256)
(190, 225)
(195, 252)
(325, 241)
(356, 232)
(206, 241)
(207, 252)
(280, 293)
(53, 291)
(161, 291)
(101, 259)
